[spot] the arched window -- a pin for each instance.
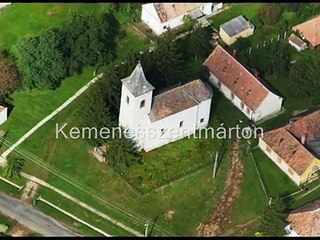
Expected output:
(142, 103)
(127, 99)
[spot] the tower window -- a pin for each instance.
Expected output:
(181, 124)
(242, 105)
(248, 111)
(202, 120)
(127, 99)
(142, 103)
(232, 96)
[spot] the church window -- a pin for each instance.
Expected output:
(232, 96)
(142, 103)
(202, 120)
(242, 105)
(181, 124)
(127, 99)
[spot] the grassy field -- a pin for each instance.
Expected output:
(252, 201)
(277, 183)
(72, 156)
(28, 19)
(78, 212)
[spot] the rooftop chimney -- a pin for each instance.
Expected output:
(234, 53)
(256, 74)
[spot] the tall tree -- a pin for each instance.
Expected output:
(270, 13)
(41, 60)
(13, 168)
(198, 42)
(274, 219)
(96, 113)
(303, 75)
(168, 61)
(90, 39)
(122, 153)
(9, 80)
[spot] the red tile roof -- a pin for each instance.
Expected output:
(289, 149)
(308, 126)
(179, 99)
(296, 40)
(2, 108)
(236, 77)
(310, 30)
(306, 220)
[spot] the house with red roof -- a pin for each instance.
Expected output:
(161, 17)
(166, 117)
(295, 147)
(310, 31)
(240, 86)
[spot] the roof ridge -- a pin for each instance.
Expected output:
(297, 141)
(170, 90)
(268, 90)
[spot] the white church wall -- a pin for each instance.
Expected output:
(189, 119)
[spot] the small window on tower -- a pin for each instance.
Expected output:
(127, 99)
(202, 120)
(181, 124)
(142, 103)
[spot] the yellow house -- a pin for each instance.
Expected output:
(295, 147)
(234, 29)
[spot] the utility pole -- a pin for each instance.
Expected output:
(215, 165)
(146, 229)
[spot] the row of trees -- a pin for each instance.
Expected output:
(86, 39)
(273, 59)
(271, 14)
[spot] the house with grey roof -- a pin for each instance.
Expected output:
(154, 121)
(235, 28)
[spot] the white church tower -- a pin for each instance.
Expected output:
(136, 100)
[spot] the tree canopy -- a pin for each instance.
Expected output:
(274, 219)
(86, 39)
(9, 80)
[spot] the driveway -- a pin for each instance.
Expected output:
(32, 218)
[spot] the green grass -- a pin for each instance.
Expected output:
(28, 19)
(11, 190)
(252, 200)
(7, 221)
(79, 212)
(248, 10)
(277, 183)
(31, 107)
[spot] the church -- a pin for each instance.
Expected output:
(155, 121)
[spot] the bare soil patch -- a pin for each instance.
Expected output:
(221, 217)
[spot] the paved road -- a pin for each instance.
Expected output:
(31, 218)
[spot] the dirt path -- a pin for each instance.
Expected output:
(29, 192)
(221, 218)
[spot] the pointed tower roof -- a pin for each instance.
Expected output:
(137, 82)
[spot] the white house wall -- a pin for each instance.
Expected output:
(191, 121)
(271, 105)
(227, 93)
(203, 112)
(3, 115)
(150, 17)
(283, 165)
(131, 115)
